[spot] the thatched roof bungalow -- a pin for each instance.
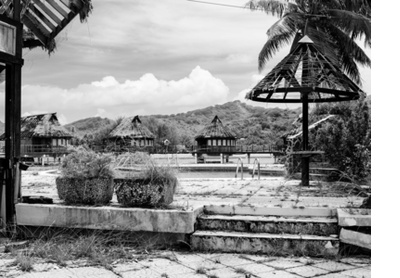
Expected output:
(131, 132)
(42, 133)
(215, 135)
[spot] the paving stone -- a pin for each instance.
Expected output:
(255, 268)
(165, 265)
(356, 261)
(124, 267)
(334, 275)
(257, 258)
(278, 274)
(84, 272)
(230, 259)
(307, 271)
(141, 273)
(175, 269)
(188, 259)
(186, 275)
(363, 272)
(333, 266)
(283, 263)
(225, 273)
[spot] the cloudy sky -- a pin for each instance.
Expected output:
(149, 57)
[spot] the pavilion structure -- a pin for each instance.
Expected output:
(305, 76)
(25, 24)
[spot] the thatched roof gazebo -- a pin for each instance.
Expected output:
(305, 76)
(215, 137)
(131, 132)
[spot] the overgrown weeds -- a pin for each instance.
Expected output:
(95, 247)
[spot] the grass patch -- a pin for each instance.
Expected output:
(24, 262)
(95, 247)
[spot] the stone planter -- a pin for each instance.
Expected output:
(93, 191)
(137, 192)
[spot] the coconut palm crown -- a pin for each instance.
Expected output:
(333, 25)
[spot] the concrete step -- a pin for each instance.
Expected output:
(322, 226)
(265, 243)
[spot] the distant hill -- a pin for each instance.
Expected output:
(257, 125)
(87, 126)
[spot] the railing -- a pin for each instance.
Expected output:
(43, 149)
(258, 168)
(244, 149)
(237, 168)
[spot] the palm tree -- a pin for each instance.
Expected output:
(333, 25)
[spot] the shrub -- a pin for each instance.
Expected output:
(83, 163)
(153, 186)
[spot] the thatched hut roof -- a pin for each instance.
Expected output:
(42, 125)
(44, 20)
(131, 128)
(215, 130)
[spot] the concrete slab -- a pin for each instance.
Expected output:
(355, 238)
(283, 263)
(307, 271)
(350, 217)
(82, 272)
(333, 266)
(107, 218)
(363, 272)
(278, 274)
(225, 273)
(255, 268)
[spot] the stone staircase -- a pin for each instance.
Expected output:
(273, 231)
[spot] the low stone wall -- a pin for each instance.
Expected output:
(108, 218)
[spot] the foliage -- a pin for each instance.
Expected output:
(84, 163)
(158, 174)
(334, 26)
(346, 139)
(258, 126)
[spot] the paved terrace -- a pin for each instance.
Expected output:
(272, 191)
(275, 192)
(196, 265)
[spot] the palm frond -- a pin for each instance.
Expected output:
(287, 23)
(350, 54)
(273, 7)
(272, 46)
(362, 7)
(355, 25)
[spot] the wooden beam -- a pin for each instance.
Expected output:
(49, 12)
(38, 33)
(42, 17)
(58, 8)
(42, 27)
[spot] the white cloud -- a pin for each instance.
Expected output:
(111, 98)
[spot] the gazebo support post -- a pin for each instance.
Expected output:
(305, 160)
(13, 125)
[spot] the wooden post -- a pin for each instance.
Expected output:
(305, 160)
(222, 158)
(195, 158)
(248, 158)
(13, 122)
